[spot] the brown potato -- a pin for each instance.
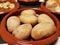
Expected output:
(28, 12)
(42, 30)
(23, 31)
(28, 19)
(44, 18)
(12, 23)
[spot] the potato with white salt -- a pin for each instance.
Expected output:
(12, 23)
(28, 12)
(57, 9)
(23, 31)
(50, 3)
(42, 30)
(28, 19)
(44, 18)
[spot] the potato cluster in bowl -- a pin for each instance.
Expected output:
(4, 6)
(28, 23)
(53, 5)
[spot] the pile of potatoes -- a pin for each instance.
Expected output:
(7, 5)
(29, 24)
(53, 5)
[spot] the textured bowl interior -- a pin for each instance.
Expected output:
(16, 6)
(8, 37)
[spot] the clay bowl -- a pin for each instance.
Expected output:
(16, 6)
(9, 38)
(2, 14)
(43, 7)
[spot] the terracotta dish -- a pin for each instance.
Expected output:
(9, 38)
(5, 9)
(45, 8)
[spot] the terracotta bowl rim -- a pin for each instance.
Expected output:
(45, 41)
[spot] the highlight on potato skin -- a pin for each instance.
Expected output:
(28, 12)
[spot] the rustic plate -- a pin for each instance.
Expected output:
(16, 6)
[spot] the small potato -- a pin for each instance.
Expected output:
(50, 3)
(1, 5)
(12, 23)
(42, 30)
(28, 19)
(57, 9)
(23, 31)
(11, 6)
(5, 5)
(44, 18)
(28, 12)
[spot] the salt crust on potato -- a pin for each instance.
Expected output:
(23, 31)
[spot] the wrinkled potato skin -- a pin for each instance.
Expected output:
(23, 31)
(28, 19)
(44, 18)
(42, 30)
(12, 23)
(28, 12)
